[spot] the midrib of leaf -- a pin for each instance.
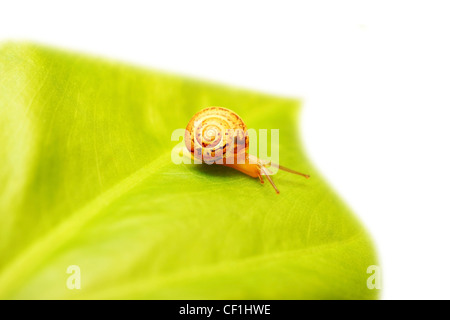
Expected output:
(18, 270)
(21, 267)
(148, 285)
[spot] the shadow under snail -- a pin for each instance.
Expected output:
(218, 135)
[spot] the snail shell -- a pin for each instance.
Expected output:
(216, 133)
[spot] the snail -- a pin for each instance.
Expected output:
(218, 135)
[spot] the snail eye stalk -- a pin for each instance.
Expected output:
(307, 176)
(264, 171)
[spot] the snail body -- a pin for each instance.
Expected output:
(218, 135)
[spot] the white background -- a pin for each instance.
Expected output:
(374, 78)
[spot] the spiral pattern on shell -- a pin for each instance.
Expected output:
(216, 133)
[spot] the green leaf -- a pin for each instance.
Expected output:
(86, 179)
